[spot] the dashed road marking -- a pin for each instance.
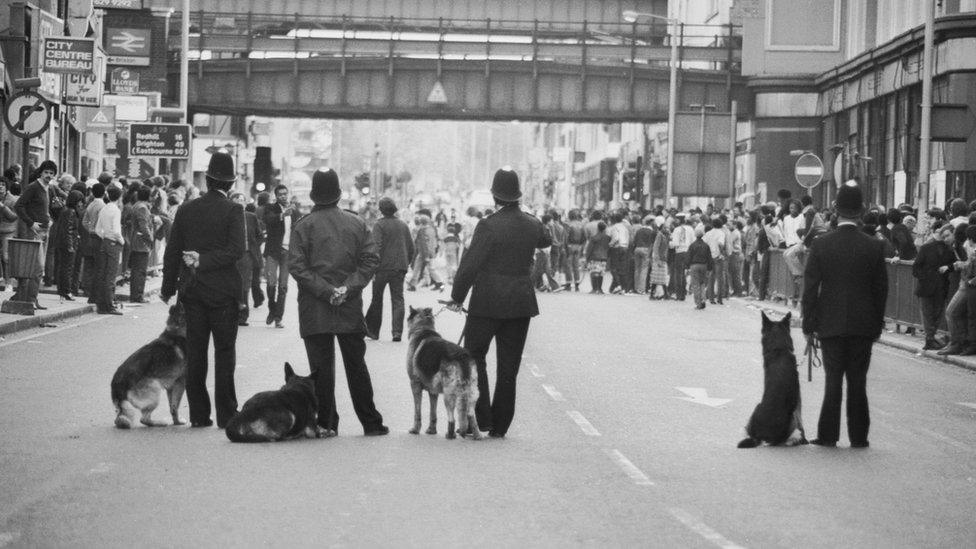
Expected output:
(534, 368)
(629, 468)
(702, 529)
(586, 426)
(556, 395)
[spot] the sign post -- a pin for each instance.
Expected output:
(159, 140)
(808, 171)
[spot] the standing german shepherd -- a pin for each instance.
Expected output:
(440, 367)
(157, 365)
(271, 416)
(776, 419)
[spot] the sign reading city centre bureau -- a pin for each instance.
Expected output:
(68, 55)
(159, 140)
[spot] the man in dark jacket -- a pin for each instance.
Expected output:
(252, 237)
(205, 243)
(279, 218)
(33, 208)
(141, 242)
(396, 251)
(931, 269)
(332, 257)
(497, 270)
(845, 288)
(901, 237)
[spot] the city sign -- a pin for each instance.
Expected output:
(27, 114)
(85, 90)
(809, 170)
(159, 140)
(64, 55)
(124, 80)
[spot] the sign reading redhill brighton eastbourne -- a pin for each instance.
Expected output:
(159, 140)
(68, 55)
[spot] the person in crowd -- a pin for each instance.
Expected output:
(659, 260)
(681, 239)
(871, 220)
(716, 240)
(575, 240)
(58, 197)
(34, 210)
(245, 266)
(791, 223)
(206, 241)
(543, 276)
(735, 258)
(471, 218)
(901, 236)
(701, 262)
(370, 213)
(597, 254)
(108, 227)
(845, 289)
(261, 202)
(619, 246)
(67, 241)
(452, 245)
(496, 272)
(92, 243)
(142, 239)
(930, 269)
(961, 310)
(8, 229)
(958, 212)
(11, 180)
(643, 242)
(333, 257)
(557, 252)
(279, 218)
(396, 251)
(426, 245)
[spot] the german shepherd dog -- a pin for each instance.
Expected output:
(776, 419)
(271, 416)
(440, 367)
(157, 365)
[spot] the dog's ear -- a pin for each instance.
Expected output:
(766, 323)
(289, 373)
(413, 312)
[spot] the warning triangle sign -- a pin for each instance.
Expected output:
(437, 94)
(99, 118)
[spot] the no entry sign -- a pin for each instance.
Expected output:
(809, 170)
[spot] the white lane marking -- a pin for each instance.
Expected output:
(556, 395)
(699, 395)
(534, 368)
(968, 404)
(6, 538)
(586, 426)
(629, 468)
(702, 529)
(50, 331)
(101, 468)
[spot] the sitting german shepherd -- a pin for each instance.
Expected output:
(157, 365)
(776, 419)
(440, 367)
(271, 416)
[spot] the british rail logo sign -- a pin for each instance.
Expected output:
(68, 55)
(128, 46)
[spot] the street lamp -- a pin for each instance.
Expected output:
(632, 17)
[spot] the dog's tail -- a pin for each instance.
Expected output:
(749, 442)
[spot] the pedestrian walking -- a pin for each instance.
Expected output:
(845, 288)
(496, 270)
(333, 257)
(396, 251)
(700, 265)
(279, 218)
(427, 247)
(205, 243)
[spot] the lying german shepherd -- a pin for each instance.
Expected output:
(270, 416)
(157, 365)
(440, 367)
(776, 419)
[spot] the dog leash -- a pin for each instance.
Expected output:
(463, 311)
(813, 357)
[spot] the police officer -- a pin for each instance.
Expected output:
(205, 244)
(497, 270)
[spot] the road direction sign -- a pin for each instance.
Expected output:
(124, 81)
(27, 114)
(809, 170)
(159, 140)
(63, 55)
(93, 119)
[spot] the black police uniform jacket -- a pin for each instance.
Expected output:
(498, 265)
(845, 285)
(212, 225)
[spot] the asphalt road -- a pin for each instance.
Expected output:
(605, 451)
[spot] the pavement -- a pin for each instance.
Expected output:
(59, 310)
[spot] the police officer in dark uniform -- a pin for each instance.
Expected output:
(205, 244)
(497, 269)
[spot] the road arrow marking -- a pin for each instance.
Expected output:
(629, 468)
(556, 395)
(586, 426)
(700, 396)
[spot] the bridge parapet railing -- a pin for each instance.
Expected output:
(246, 34)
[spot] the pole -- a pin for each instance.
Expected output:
(734, 113)
(672, 112)
(924, 158)
(185, 79)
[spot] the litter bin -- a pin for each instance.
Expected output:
(24, 263)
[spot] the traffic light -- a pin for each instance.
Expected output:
(362, 183)
(263, 170)
(631, 186)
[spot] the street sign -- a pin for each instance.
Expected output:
(93, 119)
(85, 90)
(128, 108)
(64, 55)
(159, 140)
(437, 94)
(124, 80)
(809, 170)
(128, 46)
(27, 114)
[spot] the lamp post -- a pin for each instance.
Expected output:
(634, 16)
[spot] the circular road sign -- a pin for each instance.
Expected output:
(809, 170)
(27, 114)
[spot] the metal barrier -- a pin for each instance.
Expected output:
(902, 307)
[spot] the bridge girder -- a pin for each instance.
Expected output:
(398, 89)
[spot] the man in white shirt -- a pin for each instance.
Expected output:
(92, 245)
(619, 243)
(109, 229)
(717, 244)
